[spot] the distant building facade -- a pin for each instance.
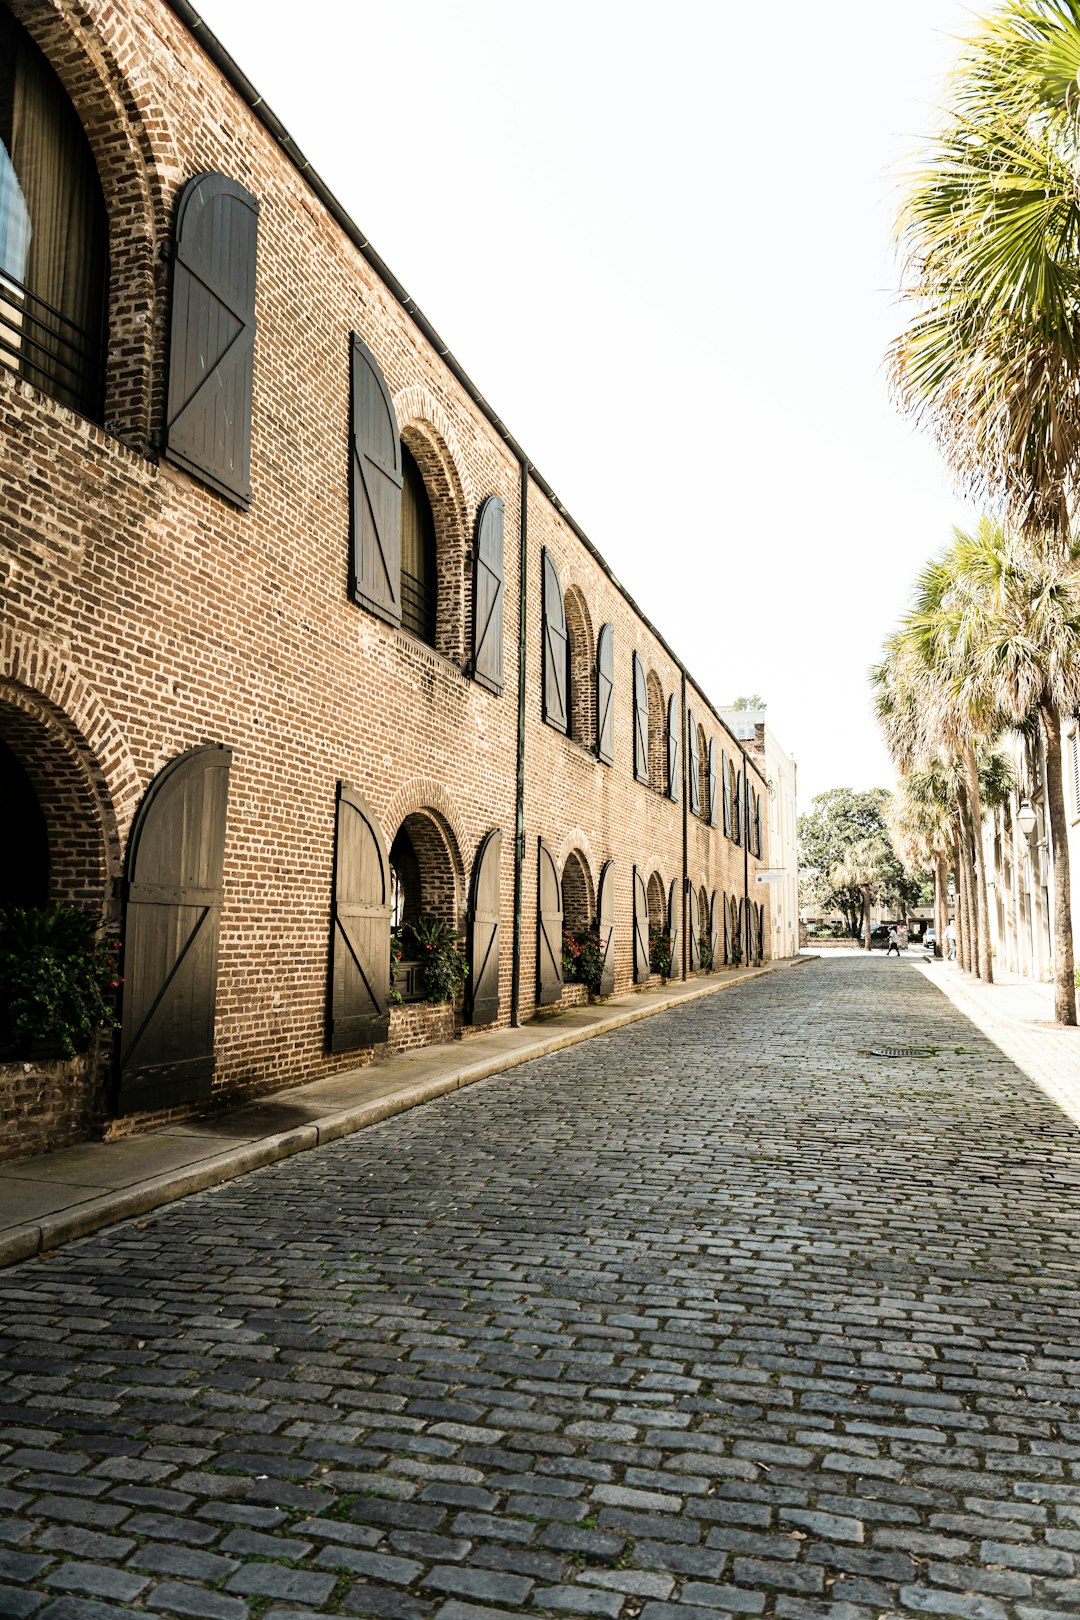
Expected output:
(753, 731)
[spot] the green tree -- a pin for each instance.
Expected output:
(754, 701)
(847, 861)
(990, 229)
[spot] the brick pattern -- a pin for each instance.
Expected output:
(680, 1324)
(155, 617)
(48, 1103)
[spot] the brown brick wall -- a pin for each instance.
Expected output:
(144, 615)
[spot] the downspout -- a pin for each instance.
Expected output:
(519, 810)
(744, 830)
(685, 970)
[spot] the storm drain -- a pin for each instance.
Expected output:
(903, 1051)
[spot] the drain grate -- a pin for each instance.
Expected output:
(903, 1051)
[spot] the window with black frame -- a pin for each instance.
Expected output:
(419, 589)
(53, 232)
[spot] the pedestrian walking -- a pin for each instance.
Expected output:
(894, 942)
(950, 942)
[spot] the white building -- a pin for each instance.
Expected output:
(752, 730)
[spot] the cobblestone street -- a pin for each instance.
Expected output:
(717, 1315)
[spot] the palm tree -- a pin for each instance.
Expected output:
(1017, 647)
(990, 228)
(926, 718)
(859, 870)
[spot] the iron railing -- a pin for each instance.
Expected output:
(49, 350)
(418, 607)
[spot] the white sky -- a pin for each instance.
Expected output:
(658, 242)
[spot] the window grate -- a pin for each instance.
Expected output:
(49, 350)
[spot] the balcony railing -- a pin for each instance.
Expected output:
(418, 607)
(49, 350)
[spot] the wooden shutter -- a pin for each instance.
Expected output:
(761, 932)
(710, 780)
(173, 892)
(714, 927)
(693, 790)
(376, 479)
(673, 748)
(693, 925)
(484, 924)
(641, 929)
(212, 335)
(733, 923)
(605, 693)
(555, 650)
(727, 932)
(725, 785)
(549, 929)
(488, 596)
(359, 1013)
(641, 722)
(673, 928)
(605, 911)
(737, 809)
(757, 825)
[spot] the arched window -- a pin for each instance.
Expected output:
(657, 739)
(53, 232)
(419, 583)
(580, 662)
(703, 774)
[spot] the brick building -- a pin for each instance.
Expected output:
(296, 644)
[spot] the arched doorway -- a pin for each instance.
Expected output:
(578, 909)
(426, 887)
(57, 840)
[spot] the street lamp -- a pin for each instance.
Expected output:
(1027, 818)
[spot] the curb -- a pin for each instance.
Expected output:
(94, 1214)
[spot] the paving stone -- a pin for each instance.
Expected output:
(776, 1326)
(176, 1597)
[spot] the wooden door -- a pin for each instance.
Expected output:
(484, 928)
(359, 1012)
(173, 894)
(549, 929)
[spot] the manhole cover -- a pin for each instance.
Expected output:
(903, 1051)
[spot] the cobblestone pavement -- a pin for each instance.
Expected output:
(715, 1316)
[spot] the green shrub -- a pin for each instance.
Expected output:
(436, 946)
(583, 957)
(660, 951)
(58, 979)
(705, 956)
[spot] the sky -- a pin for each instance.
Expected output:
(659, 242)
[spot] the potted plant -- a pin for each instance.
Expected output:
(583, 957)
(660, 952)
(58, 980)
(434, 944)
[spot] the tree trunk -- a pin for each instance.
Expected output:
(1064, 980)
(964, 895)
(941, 908)
(866, 915)
(971, 777)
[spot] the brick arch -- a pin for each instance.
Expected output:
(578, 891)
(657, 733)
(577, 840)
(96, 60)
(438, 836)
(84, 838)
(582, 654)
(656, 896)
(426, 429)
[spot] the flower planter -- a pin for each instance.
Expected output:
(46, 1103)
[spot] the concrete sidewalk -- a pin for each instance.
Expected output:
(1018, 1016)
(49, 1200)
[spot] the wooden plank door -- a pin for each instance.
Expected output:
(359, 1011)
(484, 927)
(173, 894)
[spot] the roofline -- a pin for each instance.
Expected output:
(247, 92)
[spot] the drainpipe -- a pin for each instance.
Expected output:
(685, 794)
(519, 812)
(745, 851)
